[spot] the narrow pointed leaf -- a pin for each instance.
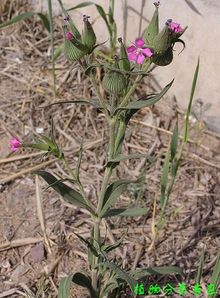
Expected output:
(45, 21)
(215, 279)
(108, 248)
(103, 15)
(112, 193)
(25, 16)
(75, 31)
(164, 178)
(121, 157)
(88, 243)
(174, 142)
(146, 102)
(92, 102)
(136, 211)
(140, 273)
(120, 273)
(65, 287)
(84, 281)
(69, 194)
(81, 5)
(190, 102)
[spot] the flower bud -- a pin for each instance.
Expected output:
(162, 41)
(124, 63)
(153, 28)
(113, 81)
(88, 36)
(73, 49)
(164, 59)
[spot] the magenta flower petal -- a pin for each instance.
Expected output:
(131, 49)
(69, 35)
(15, 144)
(175, 27)
(140, 58)
(139, 42)
(147, 52)
(132, 56)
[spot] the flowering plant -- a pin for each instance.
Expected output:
(121, 77)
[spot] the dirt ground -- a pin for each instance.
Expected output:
(38, 249)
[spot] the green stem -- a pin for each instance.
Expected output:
(52, 45)
(101, 100)
(134, 86)
(95, 259)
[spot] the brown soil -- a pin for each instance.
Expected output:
(192, 221)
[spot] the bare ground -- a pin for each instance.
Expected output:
(36, 254)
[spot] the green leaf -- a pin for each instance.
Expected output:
(120, 273)
(142, 103)
(121, 157)
(108, 248)
(140, 273)
(25, 16)
(81, 5)
(215, 278)
(164, 178)
(103, 15)
(112, 193)
(84, 281)
(90, 250)
(88, 243)
(65, 287)
(190, 102)
(136, 211)
(152, 29)
(74, 30)
(201, 267)
(45, 21)
(69, 194)
(174, 142)
(92, 102)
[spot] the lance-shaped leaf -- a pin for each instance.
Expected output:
(121, 157)
(103, 15)
(27, 15)
(112, 193)
(152, 29)
(164, 178)
(81, 5)
(92, 102)
(65, 287)
(140, 273)
(84, 281)
(174, 142)
(120, 273)
(69, 194)
(108, 248)
(145, 102)
(88, 243)
(136, 211)
(74, 30)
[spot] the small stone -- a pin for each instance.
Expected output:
(38, 253)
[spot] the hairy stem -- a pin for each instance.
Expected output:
(134, 86)
(101, 100)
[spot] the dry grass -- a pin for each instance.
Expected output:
(192, 218)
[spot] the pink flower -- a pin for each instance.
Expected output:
(138, 52)
(174, 27)
(69, 35)
(15, 144)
